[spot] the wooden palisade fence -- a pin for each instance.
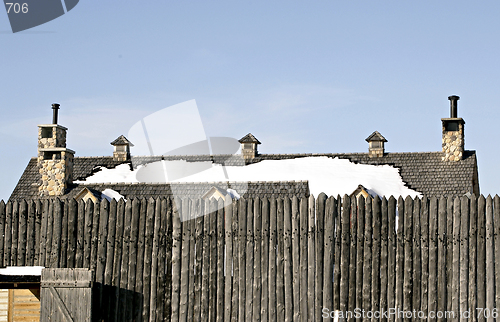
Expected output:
(268, 259)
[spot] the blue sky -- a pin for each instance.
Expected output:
(315, 76)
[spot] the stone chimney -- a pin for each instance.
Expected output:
(376, 145)
(54, 160)
(249, 146)
(122, 149)
(453, 133)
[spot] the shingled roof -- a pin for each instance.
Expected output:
(424, 172)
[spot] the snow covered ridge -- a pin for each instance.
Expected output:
(332, 176)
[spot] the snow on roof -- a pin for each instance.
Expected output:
(110, 194)
(332, 176)
(22, 270)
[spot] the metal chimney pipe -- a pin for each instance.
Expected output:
(55, 108)
(453, 106)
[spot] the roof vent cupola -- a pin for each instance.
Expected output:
(55, 161)
(376, 145)
(249, 146)
(122, 149)
(453, 133)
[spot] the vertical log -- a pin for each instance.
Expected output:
(176, 258)
(376, 221)
(408, 251)
(80, 233)
(441, 266)
(72, 232)
(265, 261)
(400, 255)
(464, 256)
(384, 257)
(139, 284)
(288, 270)
(250, 257)
(496, 224)
(257, 233)
(236, 263)
(119, 243)
(63, 252)
(205, 283)
(353, 255)
(148, 257)
(169, 242)
(228, 224)
(360, 255)
(391, 258)
(184, 272)
(490, 260)
(199, 238)
(424, 242)
(330, 214)
(433, 255)
(43, 233)
(311, 261)
(38, 231)
(303, 258)
(101, 257)
(108, 297)
(132, 256)
(194, 213)
(449, 253)
(473, 257)
(15, 233)
(23, 229)
(87, 241)
(344, 269)
(481, 256)
(368, 259)
(213, 260)
(153, 308)
(417, 256)
(3, 215)
(455, 277)
(8, 237)
(31, 234)
(273, 231)
(320, 242)
(220, 261)
(56, 234)
(95, 236)
(124, 266)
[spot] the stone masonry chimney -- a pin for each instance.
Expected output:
(453, 133)
(376, 145)
(55, 161)
(122, 149)
(249, 146)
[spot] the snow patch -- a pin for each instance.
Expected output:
(22, 270)
(110, 194)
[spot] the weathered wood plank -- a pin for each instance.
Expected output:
(264, 303)
(449, 252)
(473, 257)
(236, 271)
(376, 248)
(56, 234)
(132, 254)
(490, 259)
(38, 231)
(199, 237)
(63, 252)
(30, 234)
(455, 277)
(72, 232)
(287, 257)
(303, 258)
(139, 305)
(23, 229)
(168, 256)
(2, 231)
(441, 266)
(220, 234)
(391, 258)
(257, 234)
(148, 258)
(117, 260)
(273, 231)
(184, 272)
(408, 253)
(205, 284)
(87, 240)
(383, 256)
(15, 233)
(368, 256)
(329, 237)
(417, 256)
(481, 255)
(464, 255)
(353, 255)
(94, 236)
(424, 242)
(213, 261)
(250, 258)
(360, 255)
(101, 257)
(400, 254)
(80, 234)
(108, 295)
(8, 236)
(162, 296)
(193, 208)
(320, 242)
(345, 255)
(496, 224)
(228, 279)
(433, 255)
(176, 258)
(311, 261)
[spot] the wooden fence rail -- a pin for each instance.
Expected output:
(269, 259)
